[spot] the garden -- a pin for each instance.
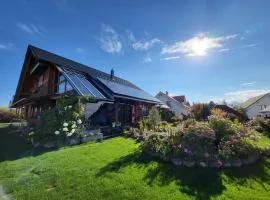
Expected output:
(206, 138)
(146, 167)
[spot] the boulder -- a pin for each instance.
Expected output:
(227, 164)
(188, 163)
(177, 162)
(237, 163)
(203, 164)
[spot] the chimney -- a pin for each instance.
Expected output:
(167, 93)
(112, 73)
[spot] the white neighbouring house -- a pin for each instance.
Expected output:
(257, 106)
(176, 106)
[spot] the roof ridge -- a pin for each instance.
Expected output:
(253, 100)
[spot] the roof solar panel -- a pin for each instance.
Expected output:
(81, 84)
(127, 91)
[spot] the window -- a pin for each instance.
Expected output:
(63, 85)
(40, 80)
(68, 87)
(61, 88)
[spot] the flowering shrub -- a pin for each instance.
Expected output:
(197, 141)
(62, 121)
(158, 143)
(261, 125)
(234, 147)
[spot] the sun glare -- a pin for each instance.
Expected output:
(199, 46)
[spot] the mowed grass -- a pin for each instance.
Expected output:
(116, 169)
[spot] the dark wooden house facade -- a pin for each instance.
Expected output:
(46, 76)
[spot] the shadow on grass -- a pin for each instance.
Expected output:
(13, 145)
(197, 182)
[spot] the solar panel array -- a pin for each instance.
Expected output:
(127, 91)
(81, 84)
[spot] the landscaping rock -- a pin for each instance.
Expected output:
(177, 162)
(74, 141)
(227, 164)
(203, 164)
(165, 158)
(236, 163)
(49, 145)
(188, 163)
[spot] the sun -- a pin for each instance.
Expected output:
(199, 46)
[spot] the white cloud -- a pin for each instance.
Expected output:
(171, 58)
(80, 50)
(110, 41)
(145, 44)
(198, 45)
(130, 36)
(30, 29)
(7, 46)
(147, 59)
(224, 50)
(239, 96)
(248, 83)
(249, 45)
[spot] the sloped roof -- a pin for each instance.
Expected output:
(180, 98)
(252, 100)
(95, 76)
(64, 62)
(170, 98)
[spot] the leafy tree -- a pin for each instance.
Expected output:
(153, 117)
(200, 111)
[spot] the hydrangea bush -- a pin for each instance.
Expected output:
(65, 120)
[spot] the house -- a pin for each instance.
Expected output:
(257, 106)
(181, 99)
(176, 106)
(45, 77)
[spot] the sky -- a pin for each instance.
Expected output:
(206, 50)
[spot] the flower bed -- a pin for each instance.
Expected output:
(216, 143)
(211, 164)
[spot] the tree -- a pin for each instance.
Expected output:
(153, 117)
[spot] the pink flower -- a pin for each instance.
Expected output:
(219, 163)
(185, 150)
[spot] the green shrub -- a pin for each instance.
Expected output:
(200, 111)
(163, 126)
(153, 118)
(197, 141)
(186, 123)
(166, 115)
(158, 143)
(222, 127)
(234, 147)
(62, 121)
(261, 125)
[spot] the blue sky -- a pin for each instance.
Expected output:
(207, 50)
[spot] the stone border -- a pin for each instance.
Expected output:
(209, 164)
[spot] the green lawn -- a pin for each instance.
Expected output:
(116, 169)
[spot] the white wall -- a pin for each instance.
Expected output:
(174, 105)
(254, 110)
